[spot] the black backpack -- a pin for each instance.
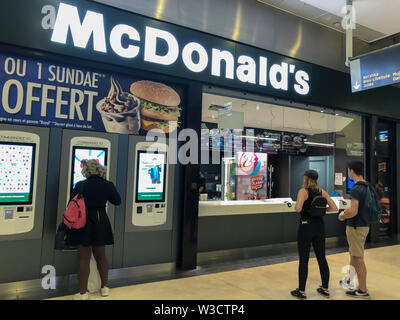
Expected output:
(317, 206)
(372, 211)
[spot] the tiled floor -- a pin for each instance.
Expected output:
(270, 281)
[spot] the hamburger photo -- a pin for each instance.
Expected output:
(158, 105)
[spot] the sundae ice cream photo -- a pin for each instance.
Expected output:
(119, 110)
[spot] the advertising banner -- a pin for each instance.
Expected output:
(251, 176)
(40, 93)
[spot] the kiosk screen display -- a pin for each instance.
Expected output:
(85, 153)
(17, 163)
(150, 174)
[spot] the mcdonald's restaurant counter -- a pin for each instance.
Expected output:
(235, 224)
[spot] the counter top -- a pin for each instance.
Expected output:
(241, 207)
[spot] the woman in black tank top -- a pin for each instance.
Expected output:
(311, 231)
(311, 193)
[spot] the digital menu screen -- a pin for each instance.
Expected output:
(85, 153)
(17, 163)
(150, 177)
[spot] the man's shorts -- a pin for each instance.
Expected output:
(356, 239)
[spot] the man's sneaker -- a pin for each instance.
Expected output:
(323, 292)
(79, 296)
(105, 291)
(358, 294)
(296, 293)
(347, 284)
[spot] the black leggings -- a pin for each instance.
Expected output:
(312, 232)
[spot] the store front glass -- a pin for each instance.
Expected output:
(258, 150)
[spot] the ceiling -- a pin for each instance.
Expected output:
(375, 19)
(275, 117)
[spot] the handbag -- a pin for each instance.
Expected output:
(61, 238)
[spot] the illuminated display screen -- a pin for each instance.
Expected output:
(85, 153)
(150, 177)
(17, 163)
(383, 136)
(350, 183)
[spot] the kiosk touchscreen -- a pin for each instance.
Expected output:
(85, 153)
(86, 148)
(150, 188)
(18, 176)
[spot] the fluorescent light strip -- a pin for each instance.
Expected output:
(327, 145)
(257, 138)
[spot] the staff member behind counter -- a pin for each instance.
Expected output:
(312, 230)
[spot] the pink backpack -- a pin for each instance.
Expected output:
(75, 215)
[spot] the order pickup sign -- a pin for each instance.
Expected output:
(377, 69)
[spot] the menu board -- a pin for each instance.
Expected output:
(85, 153)
(16, 172)
(258, 140)
(150, 178)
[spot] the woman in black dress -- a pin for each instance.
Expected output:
(97, 233)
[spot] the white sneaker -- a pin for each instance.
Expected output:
(347, 284)
(79, 296)
(105, 291)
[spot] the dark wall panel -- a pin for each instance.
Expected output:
(398, 175)
(50, 215)
(143, 248)
(229, 232)
(119, 218)
(290, 226)
(334, 227)
(281, 175)
(20, 260)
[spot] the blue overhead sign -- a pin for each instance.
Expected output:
(376, 69)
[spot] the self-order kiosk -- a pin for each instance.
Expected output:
(86, 148)
(19, 159)
(150, 187)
